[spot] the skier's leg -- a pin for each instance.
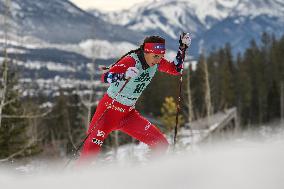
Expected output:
(140, 128)
(93, 143)
(100, 127)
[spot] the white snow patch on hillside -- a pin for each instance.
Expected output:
(104, 49)
(91, 48)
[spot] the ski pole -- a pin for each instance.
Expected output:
(83, 142)
(179, 98)
(178, 108)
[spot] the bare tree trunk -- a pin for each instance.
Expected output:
(89, 107)
(67, 118)
(207, 91)
(260, 110)
(6, 24)
(116, 144)
(3, 91)
(190, 110)
(282, 103)
(89, 100)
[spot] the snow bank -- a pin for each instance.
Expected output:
(245, 164)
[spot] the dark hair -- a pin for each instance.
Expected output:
(149, 39)
(153, 39)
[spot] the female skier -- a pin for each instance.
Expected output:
(128, 77)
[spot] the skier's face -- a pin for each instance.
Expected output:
(152, 58)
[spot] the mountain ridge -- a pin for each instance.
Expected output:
(203, 18)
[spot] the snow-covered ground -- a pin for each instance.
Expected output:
(253, 159)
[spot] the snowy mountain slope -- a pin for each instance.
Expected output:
(47, 38)
(209, 21)
(56, 28)
(167, 16)
(207, 12)
(59, 21)
(239, 31)
(253, 8)
(171, 14)
(60, 28)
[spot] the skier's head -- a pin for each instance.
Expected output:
(153, 54)
(154, 49)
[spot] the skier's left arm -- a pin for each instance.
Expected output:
(175, 67)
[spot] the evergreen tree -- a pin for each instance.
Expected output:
(14, 139)
(244, 90)
(251, 58)
(214, 69)
(231, 71)
(64, 129)
(226, 79)
(273, 101)
(252, 82)
(152, 98)
(198, 88)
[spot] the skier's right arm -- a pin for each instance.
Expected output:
(122, 70)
